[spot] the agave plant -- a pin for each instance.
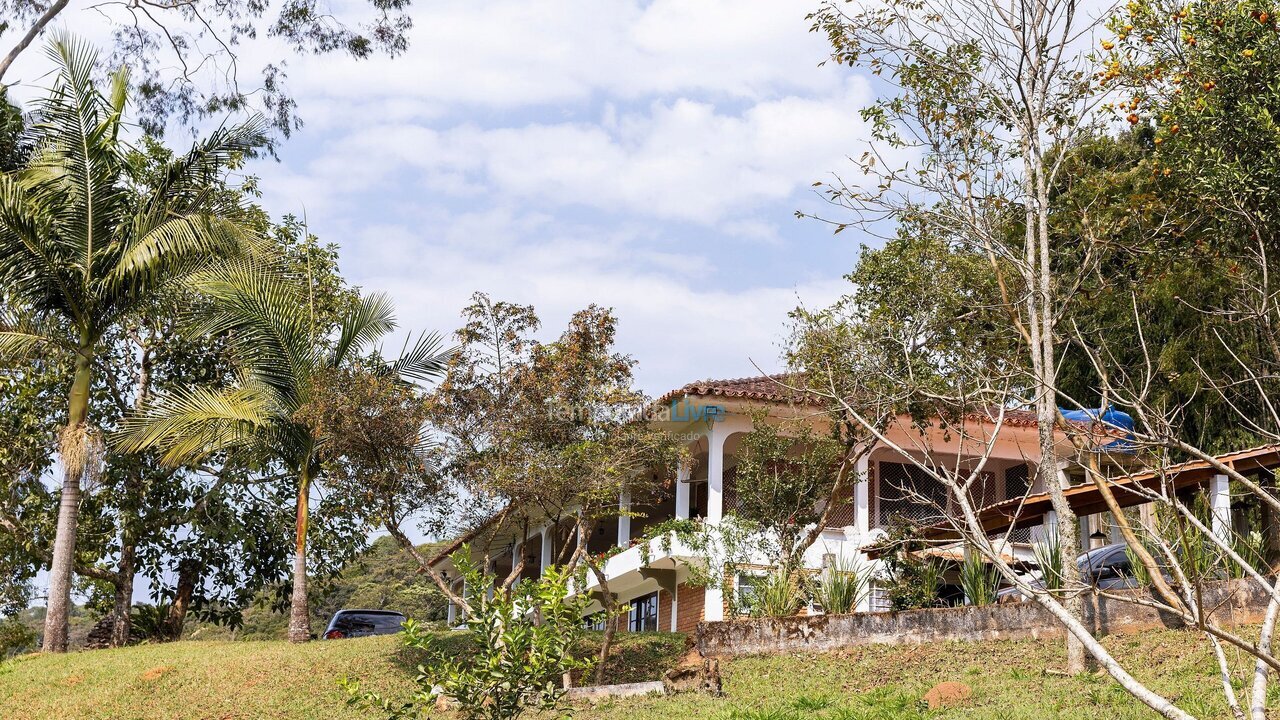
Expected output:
(283, 352)
(82, 247)
(979, 580)
(843, 586)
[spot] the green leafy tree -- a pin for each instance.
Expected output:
(550, 432)
(79, 251)
(788, 486)
(524, 638)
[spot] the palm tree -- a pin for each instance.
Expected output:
(81, 247)
(282, 350)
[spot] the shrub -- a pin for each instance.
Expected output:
(844, 585)
(523, 646)
(778, 594)
(15, 638)
(1049, 558)
(909, 580)
(979, 580)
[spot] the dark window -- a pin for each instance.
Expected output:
(910, 493)
(369, 622)
(595, 621)
(644, 614)
(1017, 483)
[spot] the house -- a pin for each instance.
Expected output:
(712, 417)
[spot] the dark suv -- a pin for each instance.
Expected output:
(1106, 568)
(362, 623)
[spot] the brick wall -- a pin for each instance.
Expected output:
(689, 606)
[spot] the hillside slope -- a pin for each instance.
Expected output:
(190, 680)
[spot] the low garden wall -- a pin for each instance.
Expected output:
(1230, 602)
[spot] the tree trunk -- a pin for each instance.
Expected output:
(73, 451)
(1042, 325)
(121, 613)
(610, 631)
(299, 613)
(188, 575)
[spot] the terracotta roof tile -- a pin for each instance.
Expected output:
(766, 388)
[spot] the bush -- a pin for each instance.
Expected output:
(979, 580)
(778, 594)
(15, 638)
(523, 641)
(844, 585)
(909, 580)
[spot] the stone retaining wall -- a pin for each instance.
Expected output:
(1231, 602)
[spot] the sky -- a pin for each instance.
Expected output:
(645, 156)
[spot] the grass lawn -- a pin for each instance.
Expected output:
(267, 679)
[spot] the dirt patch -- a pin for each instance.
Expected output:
(73, 680)
(155, 672)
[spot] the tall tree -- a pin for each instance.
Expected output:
(283, 349)
(987, 96)
(549, 432)
(79, 251)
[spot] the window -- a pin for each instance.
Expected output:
(595, 621)
(879, 601)
(746, 587)
(911, 493)
(644, 614)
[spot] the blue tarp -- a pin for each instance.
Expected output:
(1113, 419)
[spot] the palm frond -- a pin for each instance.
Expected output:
(190, 424)
(23, 332)
(427, 360)
(264, 311)
(178, 247)
(77, 167)
(372, 318)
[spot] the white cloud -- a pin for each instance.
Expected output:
(676, 316)
(682, 159)
(509, 53)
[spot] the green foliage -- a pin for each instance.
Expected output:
(779, 593)
(1140, 573)
(15, 638)
(979, 579)
(781, 483)
(1048, 554)
(150, 622)
(910, 580)
(524, 644)
(843, 586)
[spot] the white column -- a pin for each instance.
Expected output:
(862, 498)
(1049, 526)
(862, 516)
(682, 492)
(713, 607)
(624, 519)
(1220, 502)
(548, 537)
(715, 472)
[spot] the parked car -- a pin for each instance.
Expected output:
(1106, 568)
(362, 623)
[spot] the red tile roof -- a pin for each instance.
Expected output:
(765, 388)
